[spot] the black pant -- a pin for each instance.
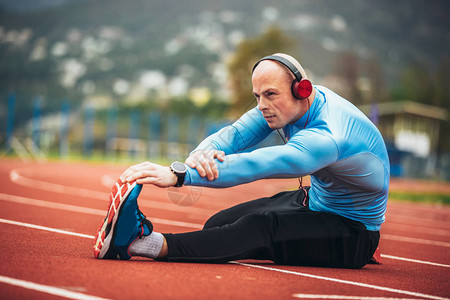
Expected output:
(280, 228)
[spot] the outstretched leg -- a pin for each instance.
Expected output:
(303, 237)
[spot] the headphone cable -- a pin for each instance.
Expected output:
(300, 179)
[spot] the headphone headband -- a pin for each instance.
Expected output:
(285, 62)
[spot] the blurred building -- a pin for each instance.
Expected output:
(411, 132)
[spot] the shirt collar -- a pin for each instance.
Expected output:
(309, 116)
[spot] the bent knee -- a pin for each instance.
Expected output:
(218, 220)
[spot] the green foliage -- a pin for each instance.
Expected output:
(214, 108)
(415, 84)
(183, 106)
(240, 66)
(442, 84)
(441, 98)
(420, 83)
(420, 197)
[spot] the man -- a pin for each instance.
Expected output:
(335, 223)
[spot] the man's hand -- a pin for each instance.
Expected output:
(204, 162)
(150, 173)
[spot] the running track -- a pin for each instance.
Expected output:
(50, 212)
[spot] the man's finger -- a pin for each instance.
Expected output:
(196, 164)
(204, 162)
(147, 180)
(190, 162)
(214, 170)
(137, 171)
(202, 165)
(207, 169)
(220, 155)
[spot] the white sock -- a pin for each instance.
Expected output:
(148, 246)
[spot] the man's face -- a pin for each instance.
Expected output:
(272, 89)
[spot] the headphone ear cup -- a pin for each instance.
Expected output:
(302, 89)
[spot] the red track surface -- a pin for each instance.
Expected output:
(73, 198)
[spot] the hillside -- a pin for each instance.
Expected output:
(137, 49)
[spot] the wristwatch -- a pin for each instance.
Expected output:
(179, 169)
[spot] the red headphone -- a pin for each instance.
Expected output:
(301, 88)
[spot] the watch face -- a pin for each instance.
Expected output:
(178, 167)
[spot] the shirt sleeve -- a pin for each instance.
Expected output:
(246, 132)
(306, 152)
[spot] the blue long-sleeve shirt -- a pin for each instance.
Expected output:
(340, 148)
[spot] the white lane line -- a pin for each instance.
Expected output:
(239, 263)
(312, 296)
(28, 225)
(53, 187)
(414, 261)
(354, 283)
(49, 204)
(73, 208)
(47, 289)
(59, 188)
(86, 210)
(413, 240)
(108, 180)
(392, 225)
(91, 237)
(92, 211)
(102, 196)
(428, 223)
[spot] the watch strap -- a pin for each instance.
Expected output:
(180, 177)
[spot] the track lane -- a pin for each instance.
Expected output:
(313, 272)
(229, 278)
(130, 279)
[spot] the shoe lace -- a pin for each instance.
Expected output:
(141, 216)
(141, 219)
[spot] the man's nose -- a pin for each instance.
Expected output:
(262, 104)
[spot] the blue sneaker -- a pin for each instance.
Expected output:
(124, 223)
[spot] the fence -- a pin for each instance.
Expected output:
(109, 133)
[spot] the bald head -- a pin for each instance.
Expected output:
(294, 65)
(273, 69)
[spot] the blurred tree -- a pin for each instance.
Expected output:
(347, 67)
(442, 95)
(415, 84)
(442, 83)
(240, 66)
(377, 91)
